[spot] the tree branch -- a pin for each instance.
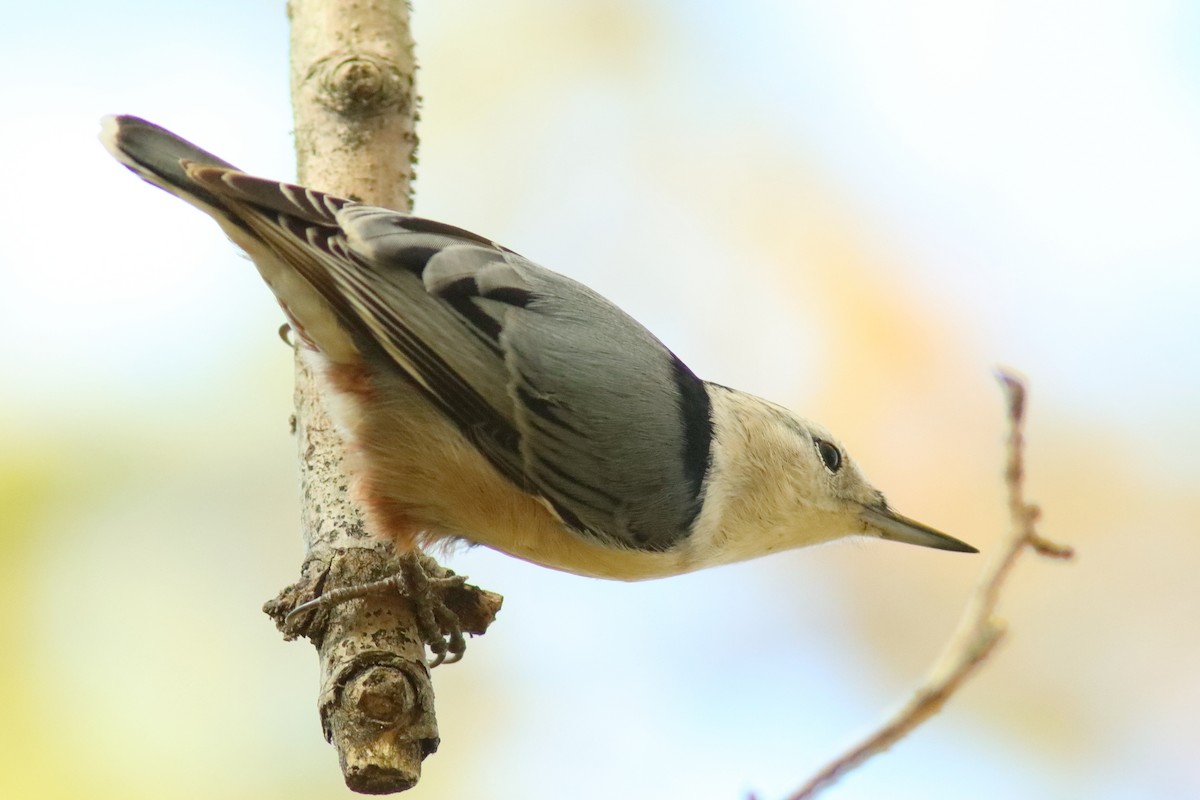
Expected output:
(979, 631)
(354, 102)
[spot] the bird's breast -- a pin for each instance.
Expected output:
(420, 481)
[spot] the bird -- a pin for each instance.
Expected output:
(485, 398)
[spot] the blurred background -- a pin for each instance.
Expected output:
(857, 209)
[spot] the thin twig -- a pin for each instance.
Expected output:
(979, 631)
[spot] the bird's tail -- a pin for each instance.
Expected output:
(158, 156)
(283, 228)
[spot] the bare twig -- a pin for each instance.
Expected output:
(979, 631)
(354, 101)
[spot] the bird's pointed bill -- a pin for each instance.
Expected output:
(899, 528)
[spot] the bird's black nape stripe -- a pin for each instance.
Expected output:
(695, 409)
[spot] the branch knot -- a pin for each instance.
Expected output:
(357, 84)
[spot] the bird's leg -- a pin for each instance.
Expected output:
(419, 580)
(440, 627)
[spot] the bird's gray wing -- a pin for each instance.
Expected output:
(567, 395)
(564, 393)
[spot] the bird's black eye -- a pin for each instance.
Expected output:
(830, 455)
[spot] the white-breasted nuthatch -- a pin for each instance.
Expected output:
(487, 398)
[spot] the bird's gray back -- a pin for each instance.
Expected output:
(565, 393)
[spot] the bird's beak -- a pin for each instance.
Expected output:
(899, 528)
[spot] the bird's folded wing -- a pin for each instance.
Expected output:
(565, 394)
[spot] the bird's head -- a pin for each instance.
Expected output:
(780, 481)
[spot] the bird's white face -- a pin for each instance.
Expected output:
(785, 483)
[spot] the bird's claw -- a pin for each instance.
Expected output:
(439, 626)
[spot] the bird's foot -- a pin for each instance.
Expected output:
(440, 627)
(426, 584)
